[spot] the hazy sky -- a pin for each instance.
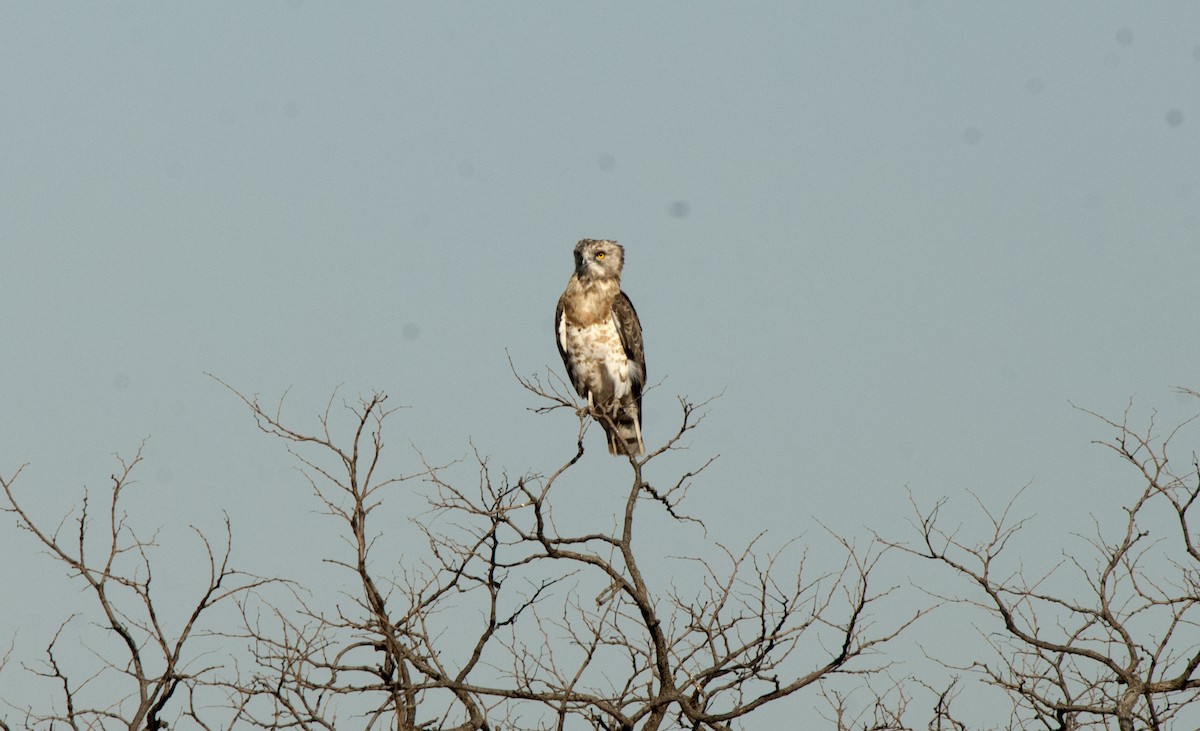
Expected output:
(898, 238)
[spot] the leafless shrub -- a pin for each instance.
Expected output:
(149, 664)
(510, 622)
(1109, 636)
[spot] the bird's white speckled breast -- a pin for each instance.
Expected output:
(600, 360)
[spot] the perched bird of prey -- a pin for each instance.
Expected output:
(600, 341)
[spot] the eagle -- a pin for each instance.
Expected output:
(600, 341)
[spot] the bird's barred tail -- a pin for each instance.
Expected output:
(624, 432)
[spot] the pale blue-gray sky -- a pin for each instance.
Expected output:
(897, 237)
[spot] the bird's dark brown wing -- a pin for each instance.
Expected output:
(630, 330)
(558, 340)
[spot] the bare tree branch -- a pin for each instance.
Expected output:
(1125, 648)
(114, 563)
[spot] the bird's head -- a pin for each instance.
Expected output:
(598, 259)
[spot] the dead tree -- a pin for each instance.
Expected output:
(1108, 637)
(375, 661)
(510, 622)
(149, 666)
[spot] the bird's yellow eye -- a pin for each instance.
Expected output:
(600, 255)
